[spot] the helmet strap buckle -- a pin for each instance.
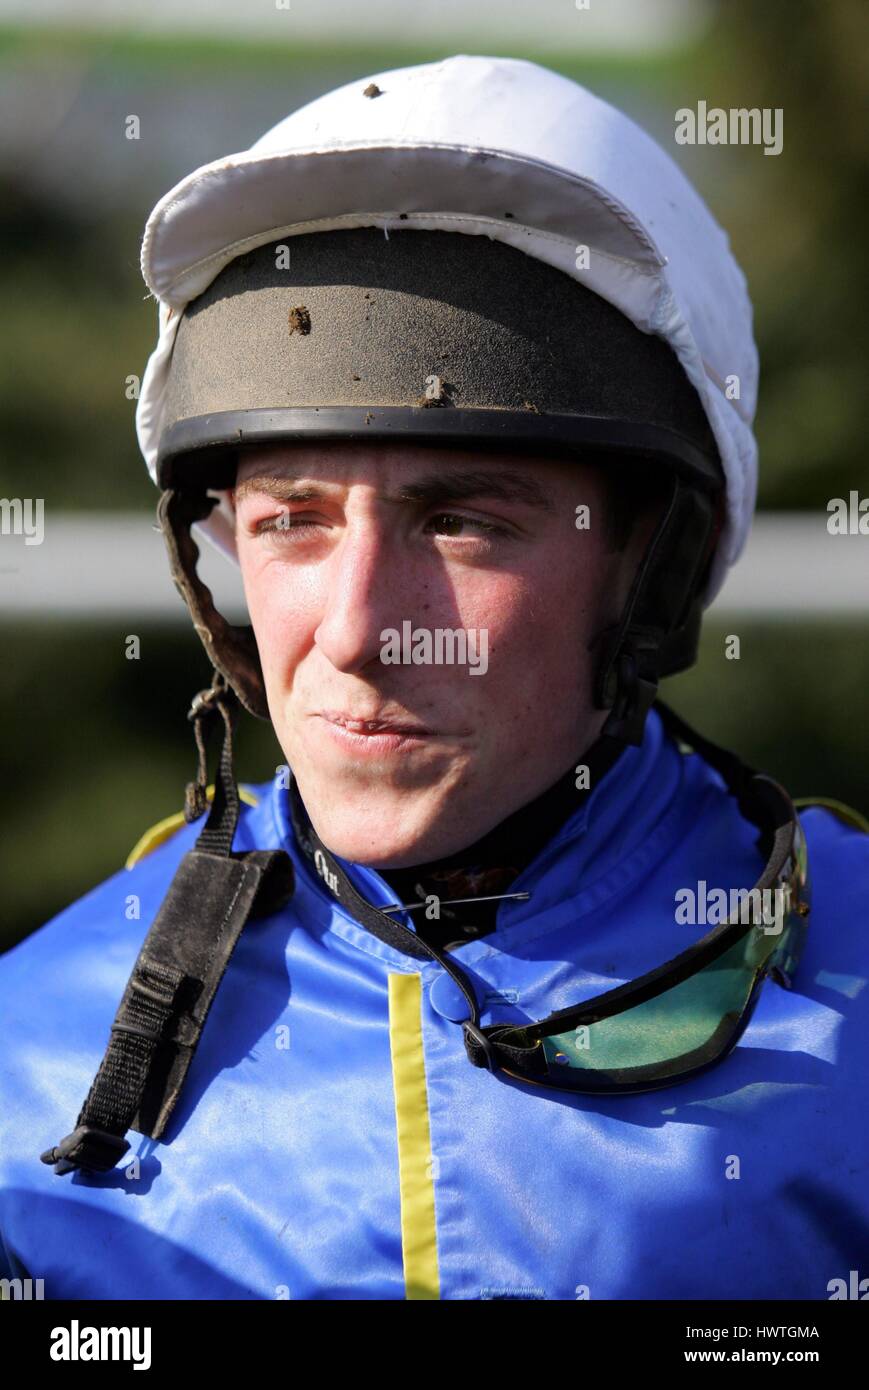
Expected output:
(634, 697)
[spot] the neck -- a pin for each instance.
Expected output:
(489, 865)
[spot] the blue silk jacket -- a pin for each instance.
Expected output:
(332, 1140)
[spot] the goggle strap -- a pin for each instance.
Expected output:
(760, 799)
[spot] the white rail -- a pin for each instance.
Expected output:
(112, 566)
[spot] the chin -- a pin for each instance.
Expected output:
(346, 842)
(382, 832)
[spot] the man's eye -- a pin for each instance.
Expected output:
(453, 524)
(286, 522)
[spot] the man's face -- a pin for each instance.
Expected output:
(399, 763)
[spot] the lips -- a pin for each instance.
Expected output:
(355, 725)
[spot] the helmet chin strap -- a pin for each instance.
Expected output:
(231, 648)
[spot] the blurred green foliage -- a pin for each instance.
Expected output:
(101, 750)
(76, 321)
(97, 748)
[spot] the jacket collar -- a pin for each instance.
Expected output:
(624, 824)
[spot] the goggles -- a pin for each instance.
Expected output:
(673, 1022)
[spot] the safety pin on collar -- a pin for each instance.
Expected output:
(492, 897)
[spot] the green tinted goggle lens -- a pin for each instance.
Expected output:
(686, 1015)
(687, 1025)
(650, 1033)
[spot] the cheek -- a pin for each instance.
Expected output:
(552, 605)
(283, 609)
(538, 616)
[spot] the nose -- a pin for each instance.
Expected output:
(364, 589)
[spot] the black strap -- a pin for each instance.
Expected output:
(181, 963)
(516, 1044)
(385, 928)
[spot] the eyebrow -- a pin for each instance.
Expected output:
(434, 489)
